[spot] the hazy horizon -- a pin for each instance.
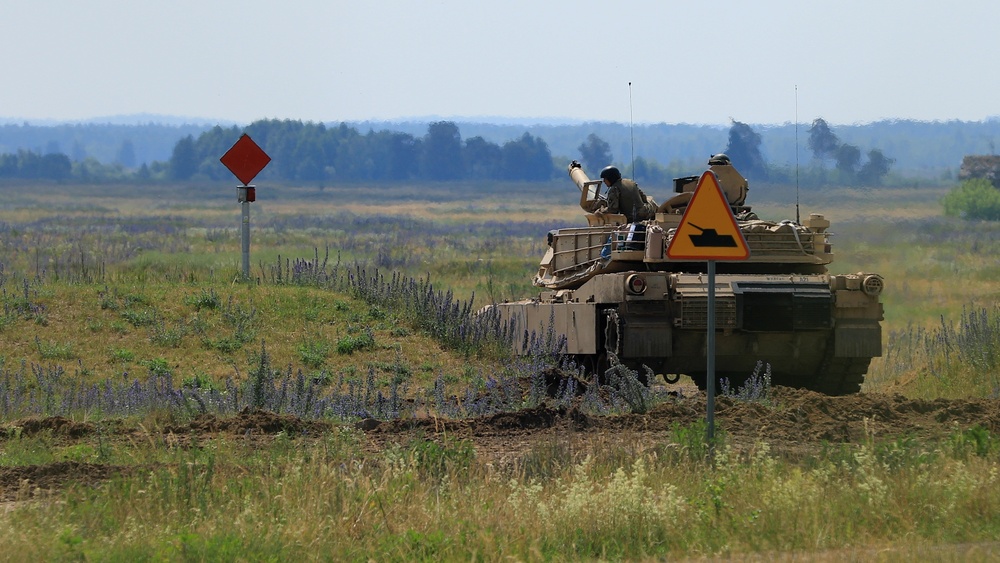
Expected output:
(176, 120)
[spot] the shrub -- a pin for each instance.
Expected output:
(123, 355)
(692, 440)
(142, 317)
(976, 440)
(756, 389)
(199, 381)
(314, 353)
(973, 199)
(207, 299)
(169, 337)
(54, 350)
(626, 387)
(156, 366)
(354, 342)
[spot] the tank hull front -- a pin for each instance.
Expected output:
(812, 331)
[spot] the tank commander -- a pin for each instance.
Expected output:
(625, 197)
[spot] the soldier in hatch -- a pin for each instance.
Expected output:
(625, 197)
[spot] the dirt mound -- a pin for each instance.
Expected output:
(539, 417)
(542, 416)
(25, 481)
(557, 380)
(805, 416)
(250, 422)
(57, 425)
(795, 422)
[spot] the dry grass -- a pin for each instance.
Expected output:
(422, 501)
(101, 342)
(332, 499)
(933, 266)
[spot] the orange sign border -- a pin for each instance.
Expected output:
(697, 203)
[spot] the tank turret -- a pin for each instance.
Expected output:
(609, 243)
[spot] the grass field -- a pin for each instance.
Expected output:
(103, 286)
(109, 277)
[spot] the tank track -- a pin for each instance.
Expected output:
(839, 376)
(835, 376)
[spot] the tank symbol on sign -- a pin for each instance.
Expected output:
(711, 238)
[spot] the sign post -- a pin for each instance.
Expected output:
(708, 231)
(245, 237)
(245, 159)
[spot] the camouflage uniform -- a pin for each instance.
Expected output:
(625, 197)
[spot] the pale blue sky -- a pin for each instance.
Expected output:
(689, 62)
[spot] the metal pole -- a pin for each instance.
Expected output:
(710, 351)
(245, 235)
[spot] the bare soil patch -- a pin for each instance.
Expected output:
(57, 425)
(797, 425)
(249, 422)
(28, 481)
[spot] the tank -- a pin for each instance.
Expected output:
(609, 290)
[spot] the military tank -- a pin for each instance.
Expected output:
(609, 290)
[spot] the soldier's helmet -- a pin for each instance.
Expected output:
(720, 158)
(611, 174)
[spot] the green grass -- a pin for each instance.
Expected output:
(201, 328)
(175, 293)
(171, 300)
(436, 500)
(313, 353)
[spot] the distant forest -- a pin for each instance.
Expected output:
(878, 153)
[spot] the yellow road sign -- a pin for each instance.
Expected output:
(708, 229)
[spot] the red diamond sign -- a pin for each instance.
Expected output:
(245, 159)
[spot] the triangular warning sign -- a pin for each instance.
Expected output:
(708, 229)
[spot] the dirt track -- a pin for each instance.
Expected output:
(799, 424)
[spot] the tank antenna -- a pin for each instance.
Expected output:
(797, 218)
(631, 134)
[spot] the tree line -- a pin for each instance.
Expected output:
(315, 153)
(28, 165)
(825, 145)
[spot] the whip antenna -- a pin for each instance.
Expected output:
(631, 134)
(797, 220)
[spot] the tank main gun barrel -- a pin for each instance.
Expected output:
(590, 190)
(577, 174)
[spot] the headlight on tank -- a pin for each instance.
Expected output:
(872, 285)
(635, 284)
